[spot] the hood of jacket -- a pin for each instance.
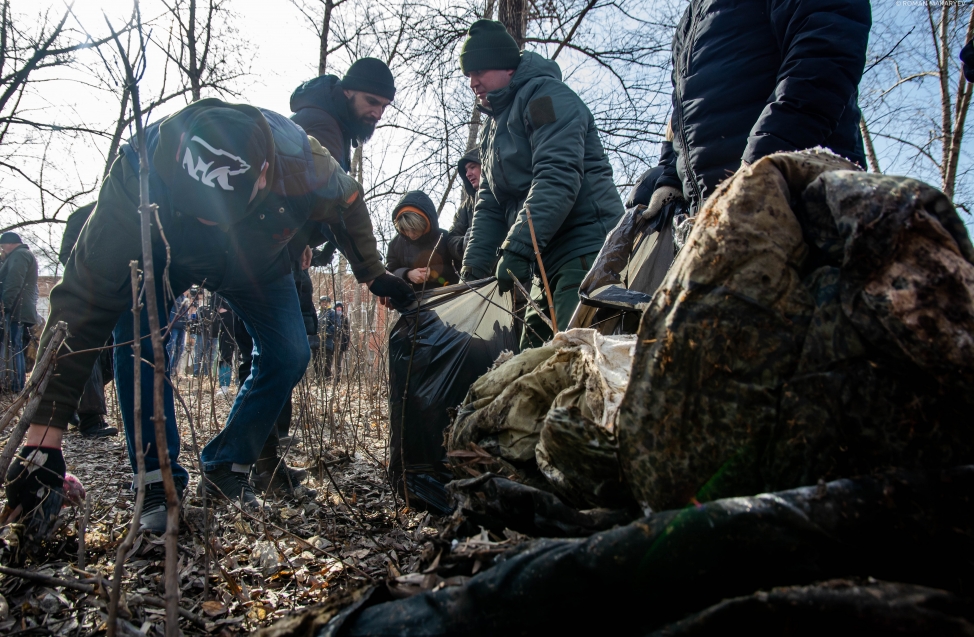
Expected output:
(472, 156)
(419, 199)
(323, 93)
(532, 67)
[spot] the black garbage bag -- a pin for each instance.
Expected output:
(496, 504)
(907, 527)
(453, 337)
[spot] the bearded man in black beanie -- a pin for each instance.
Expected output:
(342, 113)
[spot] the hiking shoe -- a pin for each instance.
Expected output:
(285, 479)
(153, 518)
(232, 485)
(96, 428)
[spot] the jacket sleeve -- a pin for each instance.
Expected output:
(341, 204)
(823, 47)
(394, 262)
(487, 230)
(13, 280)
(667, 160)
(557, 122)
(95, 290)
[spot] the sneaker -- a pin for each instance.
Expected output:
(232, 485)
(96, 428)
(153, 518)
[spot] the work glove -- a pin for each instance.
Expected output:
(399, 293)
(35, 489)
(518, 266)
(661, 196)
(468, 273)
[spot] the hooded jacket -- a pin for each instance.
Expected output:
(404, 254)
(754, 77)
(321, 109)
(464, 217)
(304, 183)
(541, 150)
(18, 280)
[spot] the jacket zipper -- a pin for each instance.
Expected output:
(681, 130)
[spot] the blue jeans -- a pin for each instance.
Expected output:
(174, 349)
(272, 316)
(15, 354)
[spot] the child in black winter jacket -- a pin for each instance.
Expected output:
(409, 254)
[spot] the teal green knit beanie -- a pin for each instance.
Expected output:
(488, 46)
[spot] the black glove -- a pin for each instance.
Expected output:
(468, 273)
(399, 292)
(35, 482)
(519, 266)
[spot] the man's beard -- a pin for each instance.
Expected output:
(362, 131)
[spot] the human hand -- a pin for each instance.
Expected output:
(400, 295)
(418, 275)
(516, 265)
(661, 196)
(306, 258)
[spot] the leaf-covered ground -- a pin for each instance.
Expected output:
(350, 534)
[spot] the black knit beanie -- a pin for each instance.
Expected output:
(488, 46)
(371, 76)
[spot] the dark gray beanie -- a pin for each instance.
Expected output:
(488, 46)
(10, 237)
(371, 76)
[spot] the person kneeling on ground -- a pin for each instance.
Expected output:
(421, 252)
(232, 182)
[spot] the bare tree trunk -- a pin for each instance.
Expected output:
(325, 30)
(868, 141)
(513, 14)
(194, 69)
(964, 89)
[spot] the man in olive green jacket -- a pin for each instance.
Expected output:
(541, 153)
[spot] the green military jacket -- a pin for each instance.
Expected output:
(541, 151)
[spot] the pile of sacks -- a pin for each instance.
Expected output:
(819, 323)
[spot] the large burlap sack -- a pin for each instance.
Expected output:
(816, 325)
(547, 418)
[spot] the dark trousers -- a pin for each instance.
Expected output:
(564, 284)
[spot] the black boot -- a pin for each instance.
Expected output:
(94, 426)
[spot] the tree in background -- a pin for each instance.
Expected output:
(915, 98)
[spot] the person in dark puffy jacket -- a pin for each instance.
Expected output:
(342, 113)
(754, 77)
(468, 170)
(421, 252)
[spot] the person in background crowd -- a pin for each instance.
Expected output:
(176, 342)
(342, 337)
(320, 357)
(541, 153)
(18, 280)
(421, 253)
(754, 78)
(468, 169)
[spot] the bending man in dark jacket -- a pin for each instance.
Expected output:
(231, 182)
(542, 153)
(421, 253)
(757, 77)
